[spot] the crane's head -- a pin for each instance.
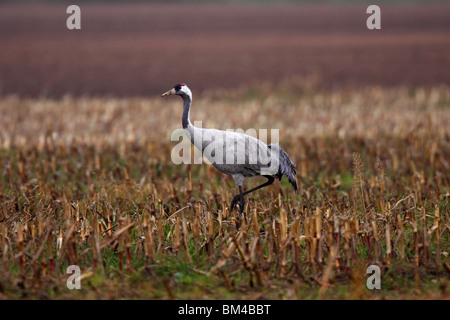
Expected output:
(180, 89)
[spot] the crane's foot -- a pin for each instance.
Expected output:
(234, 202)
(242, 215)
(241, 219)
(238, 199)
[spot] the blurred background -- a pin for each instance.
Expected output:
(141, 48)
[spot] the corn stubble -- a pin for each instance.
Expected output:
(90, 182)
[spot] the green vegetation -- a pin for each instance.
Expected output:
(90, 182)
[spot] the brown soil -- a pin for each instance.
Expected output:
(128, 50)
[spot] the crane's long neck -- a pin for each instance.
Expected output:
(187, 101)
(194, 133)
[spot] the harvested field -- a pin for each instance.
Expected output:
(139, 50)
(89, 182)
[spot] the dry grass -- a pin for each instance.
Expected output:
(90, 182)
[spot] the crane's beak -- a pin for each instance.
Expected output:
(168, 93)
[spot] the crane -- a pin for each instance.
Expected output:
(236, 154)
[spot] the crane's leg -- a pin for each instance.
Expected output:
(239, 197)
(270, 180)
(241, 194)
(241, 201)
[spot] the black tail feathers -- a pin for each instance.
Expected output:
(286, 166)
